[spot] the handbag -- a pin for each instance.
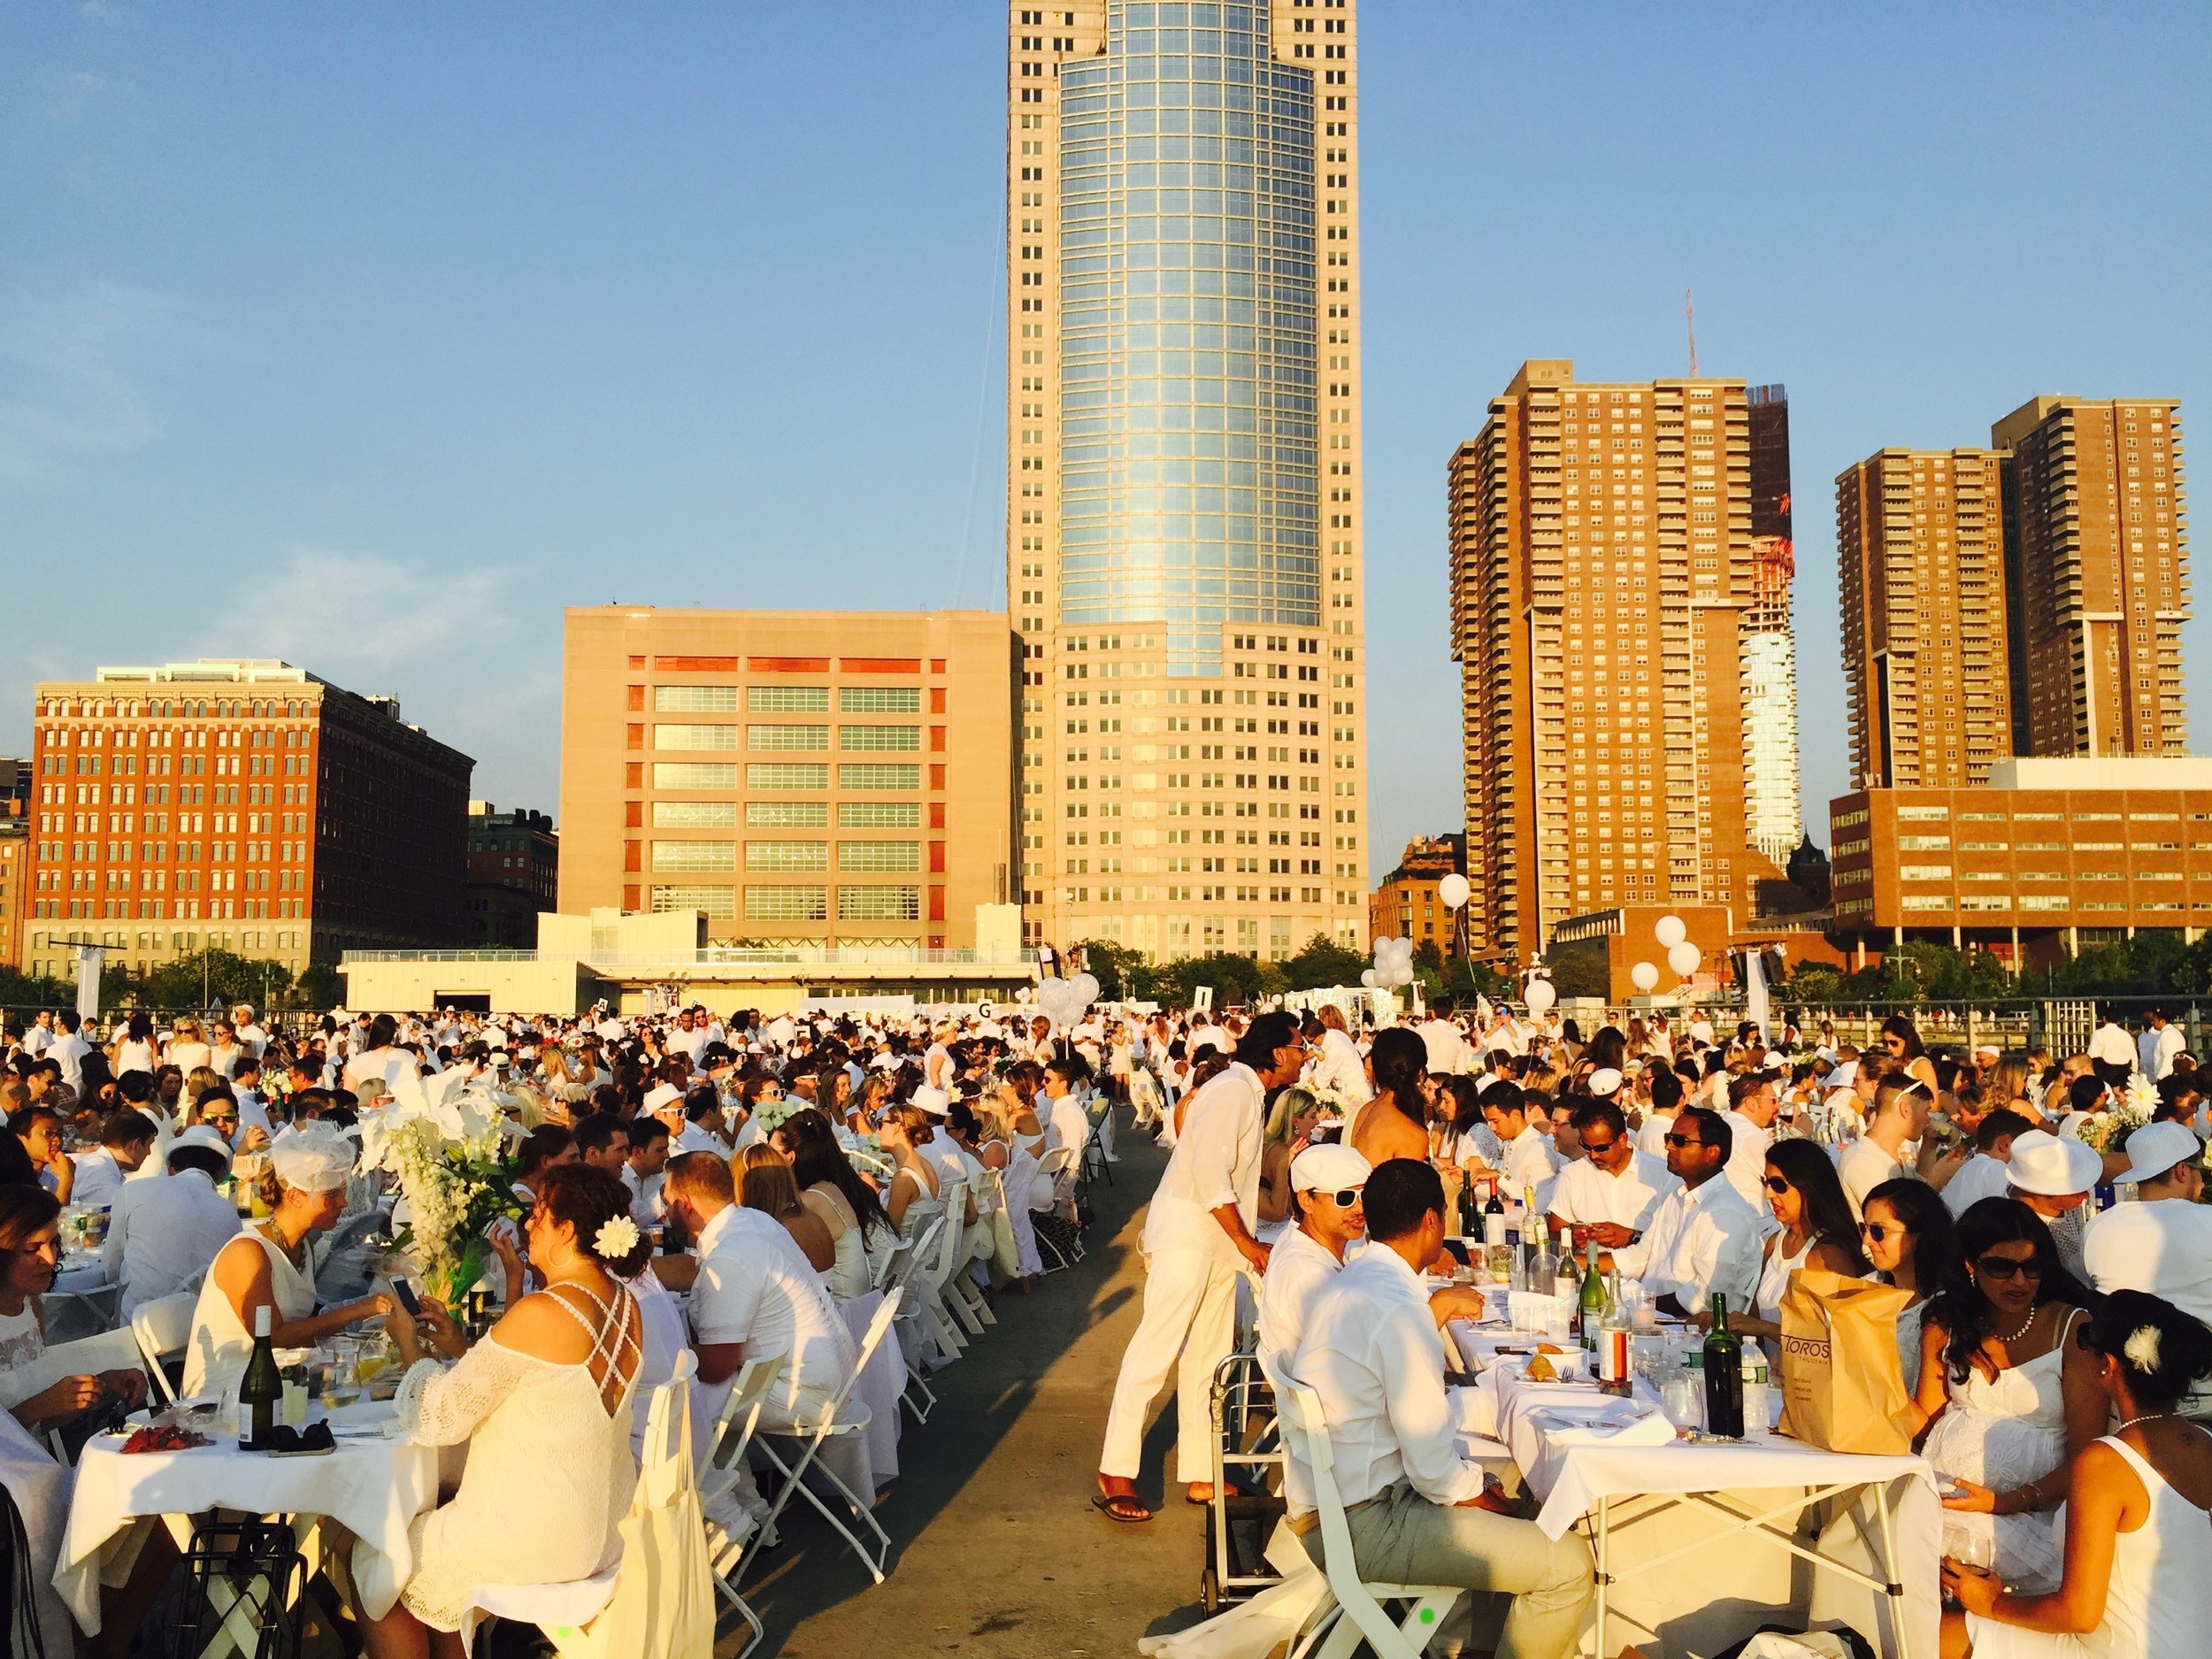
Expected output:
(1843, 1389)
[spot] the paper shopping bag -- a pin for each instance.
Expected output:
(1842, 1388)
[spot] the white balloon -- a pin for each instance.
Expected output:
(1087, 988)
(1367, 978)
(1683, 958)
(1453, 890)
(1670, 931)
(1643, 976)
(1540, 995)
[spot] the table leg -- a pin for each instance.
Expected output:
(1892, 1583)
(1604, 1576)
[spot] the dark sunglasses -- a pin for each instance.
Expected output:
(2004, 1268)
(1879, 1230)
(1595, 1146)
(1777, 1184)
(1684, 1140)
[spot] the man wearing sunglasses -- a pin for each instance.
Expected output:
(1328, 1181)
(1608, 1194)
(1703, 1239)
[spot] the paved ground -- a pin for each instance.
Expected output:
(997, 1552)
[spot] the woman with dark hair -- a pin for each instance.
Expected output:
(833, 1192)
(1807, 1204)
(1607, 1048)
(1907, 1229)
(543, 1405)
(1395, 1124)
(133, 1050)
(2138, 1579)
(1901, 1041)
(1470, 1144)
(2013, 1396)
(30, 1251)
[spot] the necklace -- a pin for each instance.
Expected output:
(2023, 1331)
(2148, 1417)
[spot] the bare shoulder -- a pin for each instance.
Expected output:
(539, 1326)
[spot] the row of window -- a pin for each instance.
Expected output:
(788, 774)
(787, 815)
(892, 856)
(786, 699)
(795, 902)
(851, 739)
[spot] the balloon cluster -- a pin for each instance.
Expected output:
(1394, 963)
(1684, 957)
(1063, 1001)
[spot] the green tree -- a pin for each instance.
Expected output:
(1580, 968)
(213, 978)
(1321, 964)
(1236, 979)
(1123, 973)
(320, 987)
(22, 991)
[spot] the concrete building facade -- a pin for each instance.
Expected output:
(1603, 573)
(1184, 471)
(1920, 556)
(2097, 556)
(818, 778)
(240, 804)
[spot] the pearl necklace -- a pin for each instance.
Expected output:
(2023, 1331)
(2148, 1417)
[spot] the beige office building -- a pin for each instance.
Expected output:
(2098, 569)
(1603, 580)
(1920, 556)
(815, 777)
(1183, 472)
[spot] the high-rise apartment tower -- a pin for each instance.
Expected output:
(2098, 568)
(1769, 635)
(1603, 581)
(1183, 472)
(1920, 559)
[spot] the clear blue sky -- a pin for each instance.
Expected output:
(370, 337)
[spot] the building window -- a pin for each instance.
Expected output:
(787, 699)
(878, 904)
(787, 854)
(718, 901)
(708, 774)
(897, 856)
(879, 739)
(879, 699)
(695, 855)
(695, 699)
(787, 904)
(786, 737)
(693, 814)
(786, 774)
(858, 775)
(787, 814)
(879, 815)
(694, 737)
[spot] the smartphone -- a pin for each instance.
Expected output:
(405, 1292)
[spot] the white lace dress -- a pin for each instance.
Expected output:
(2002, 1432)
(550, 1472)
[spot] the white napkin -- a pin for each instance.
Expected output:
(1645, 1428)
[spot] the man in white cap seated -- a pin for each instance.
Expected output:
(2163, 1244)
(1326, 1181)
(2053, 1176)
(162, 1232)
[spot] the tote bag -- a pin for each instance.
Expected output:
(1842, 1388)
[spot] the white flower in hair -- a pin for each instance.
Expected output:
(2142, 1349)
(616, 1239)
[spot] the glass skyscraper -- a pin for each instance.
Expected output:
(1182, 536)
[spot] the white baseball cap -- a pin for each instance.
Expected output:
(2051, 1166)
(1327, 1168)
(1604, 1082)
(2155, 1148)
(667, 1094)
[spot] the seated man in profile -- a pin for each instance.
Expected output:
(1419, 1513)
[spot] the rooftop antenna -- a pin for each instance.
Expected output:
(1689, 309)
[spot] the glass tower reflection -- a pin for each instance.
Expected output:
(1189, 465)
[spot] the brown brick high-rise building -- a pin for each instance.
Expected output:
(2098, 568)
(1920, 557)
(241, 805)
(1603, 565)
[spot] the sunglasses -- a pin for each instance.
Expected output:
(1684, 1140)
(1777, 1184)
(1343, 1198)
(2003, 1268)
(1879, 1230)
(1594, 1148)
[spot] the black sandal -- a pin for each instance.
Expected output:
(1131, 1515)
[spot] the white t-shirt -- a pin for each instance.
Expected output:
(2112, 1045)
(2163, 1247)
(755, 1286)
(1864, 1167)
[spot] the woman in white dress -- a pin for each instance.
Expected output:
(2011, 1392)
(1910, 1244)
(916, 1196)
(1025, 1145)
(1806, 1199)
(267, 1265)
(543, 1406)
(847, 1206)
(2137, 1580)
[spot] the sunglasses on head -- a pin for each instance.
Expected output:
(2003, 1268)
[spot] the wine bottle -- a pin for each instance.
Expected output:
(1469, 1225)
(1593, 1301)
(1724, 1376)
(261, 1388)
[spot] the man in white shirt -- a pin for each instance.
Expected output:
(69, 1049)
(1703, 1239)
(2161, 1244)
(164, 1231)
(1531, 1157)
(642, 1170)
(1987, 1173)
(754, 1296)
(2155, 1048)
(1419, 1513)
(1326, 1180)
(1336, 1068)
(40, 1035)
(251, 1038)
(1198, 1229)
(1611, 1192)
(1752, 1105)
(1448, 1053)
(1902, 1104)
(126, 1138)
(1064, 1112)
(2111, 1049)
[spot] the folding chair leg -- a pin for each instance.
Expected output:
(756, 1630)
(958, 1304)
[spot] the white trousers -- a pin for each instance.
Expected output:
(1189, 1310)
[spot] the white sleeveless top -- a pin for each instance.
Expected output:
(215, 1357)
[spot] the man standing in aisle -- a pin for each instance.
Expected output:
(1198, 1227)
(2155, 1048)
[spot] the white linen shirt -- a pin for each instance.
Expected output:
(1338, 1069)
(1531, 1160)
(1070, 1124)
(164, 1230)
(755, 1286)
(2163, 1247)
(1746, 1165)
(1587, 1193)
(1701, 1241)
(1299, 1272)
(1372, 1354)
(1216, 1162)
(2154, 1050)
(99, 1178)
(1448, 1053)
(2111, 1044)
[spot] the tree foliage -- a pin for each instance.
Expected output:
(1321, 964)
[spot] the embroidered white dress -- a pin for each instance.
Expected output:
(550, 1472)
(2003, 1432)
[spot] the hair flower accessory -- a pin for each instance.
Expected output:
(2142, 1349)
(615, 1239)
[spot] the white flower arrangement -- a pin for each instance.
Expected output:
(2128, 1108)
(441, 1139)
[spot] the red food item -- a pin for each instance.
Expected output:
(154, 1438)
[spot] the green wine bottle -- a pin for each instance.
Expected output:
(1593, 1301)
(1724, 1376)
(261, 1388)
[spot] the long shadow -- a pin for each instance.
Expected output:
(981, 1398)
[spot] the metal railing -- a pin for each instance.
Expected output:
(723, 955)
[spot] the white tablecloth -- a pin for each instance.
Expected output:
(373, 1488)
(878, 1389)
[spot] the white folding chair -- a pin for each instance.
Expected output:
(733, 1431)
(162, 1328)
(842, 1416)
(1358, 1613)
(1056, 1163)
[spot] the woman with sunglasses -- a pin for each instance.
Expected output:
(2137, 1580)
(1910, 1245)
(1901, 1041)
(2014, 1397)
(1807, 1202)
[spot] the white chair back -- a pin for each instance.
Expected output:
(161, 1328)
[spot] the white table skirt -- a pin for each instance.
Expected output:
(878, 1389)
(373, 1487)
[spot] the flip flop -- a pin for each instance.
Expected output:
(1104, 1502)
(1198, 1503)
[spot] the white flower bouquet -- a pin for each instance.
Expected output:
(2130, 1108)
(445, 1145)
